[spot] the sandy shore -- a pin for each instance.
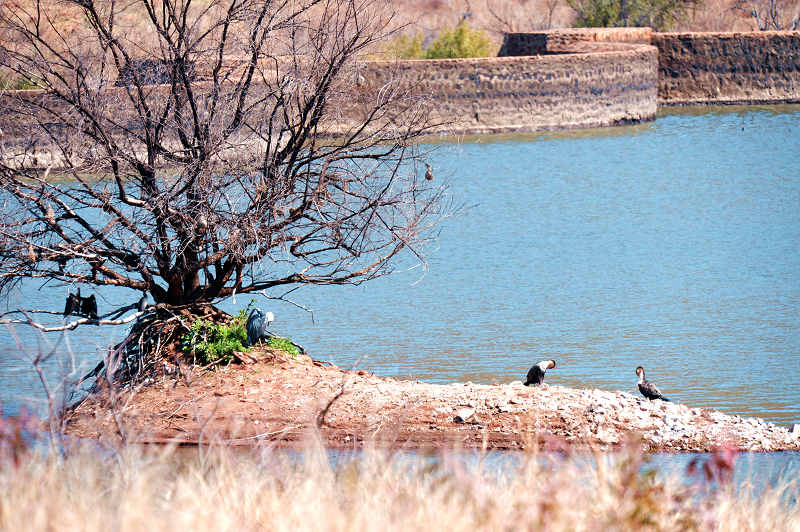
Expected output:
(283, 400)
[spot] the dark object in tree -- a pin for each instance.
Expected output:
(89, 307)
(81, 306)
(257, 323)
(142, 304)
(647, 388)
(73, 304)
(536, 373)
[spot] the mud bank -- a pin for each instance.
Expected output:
(282, 400)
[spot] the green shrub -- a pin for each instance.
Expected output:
(405, 47)
(661, 15)
(210, 342)
(462, 41)
(284, 344)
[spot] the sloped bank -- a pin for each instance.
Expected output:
(282, 400)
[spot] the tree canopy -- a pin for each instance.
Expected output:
(192, 150)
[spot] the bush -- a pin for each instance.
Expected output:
(661, 15)
(284, 344)
(405, 47)
(16, 84)
(463, 41)
(210, 342)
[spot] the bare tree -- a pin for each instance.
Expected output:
(522, 15)
(772, 14)
(192, 150)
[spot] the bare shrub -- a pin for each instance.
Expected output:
(192, 151)
(772, 14)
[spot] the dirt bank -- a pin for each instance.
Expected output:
(281, 400)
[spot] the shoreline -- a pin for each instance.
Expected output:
(283, 401)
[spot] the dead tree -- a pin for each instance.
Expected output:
(196, 150)
(772, 15)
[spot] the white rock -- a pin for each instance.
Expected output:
(464, 414)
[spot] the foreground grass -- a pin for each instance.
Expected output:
(215, 489)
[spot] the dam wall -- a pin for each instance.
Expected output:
(562, 79)
(728, 68)
(693, 68)
(615, 85)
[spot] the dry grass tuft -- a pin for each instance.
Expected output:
(215, 489)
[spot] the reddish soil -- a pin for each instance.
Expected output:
(285, 401)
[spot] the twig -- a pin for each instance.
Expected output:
(184, 404)
(263, 434)
(282, 297)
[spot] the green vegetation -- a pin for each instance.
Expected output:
(284, 344)
(461, 41)
(210, 342)
(16, 84)
(406, 47)
(661, 15)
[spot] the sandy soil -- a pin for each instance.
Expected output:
(282, 400)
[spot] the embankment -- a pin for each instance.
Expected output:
(728, 68)
(282, 400)
(590, 88)
(549, 80)
(693, 68)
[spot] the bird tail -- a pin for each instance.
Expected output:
(665, 399)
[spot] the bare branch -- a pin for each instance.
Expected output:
(229, 148)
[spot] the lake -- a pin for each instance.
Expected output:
(674, 245)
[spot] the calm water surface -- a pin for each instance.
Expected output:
(673, 245)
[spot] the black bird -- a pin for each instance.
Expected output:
(89, 306)
(428, 172)
(73, 303)
(536, 373)
(647, 388)
(257, 323)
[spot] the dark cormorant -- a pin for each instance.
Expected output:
(647, 388)
(257, 323)
(73, 303)
(89, 306)
(428, 172)
(536, 373)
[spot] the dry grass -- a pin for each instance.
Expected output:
(213, 489)
(430, 17)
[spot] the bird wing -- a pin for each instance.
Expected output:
(535, 375)
(255, 326)
(649, 390)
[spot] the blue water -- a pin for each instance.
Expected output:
(672, 245)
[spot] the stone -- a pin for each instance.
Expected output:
(463, 415)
